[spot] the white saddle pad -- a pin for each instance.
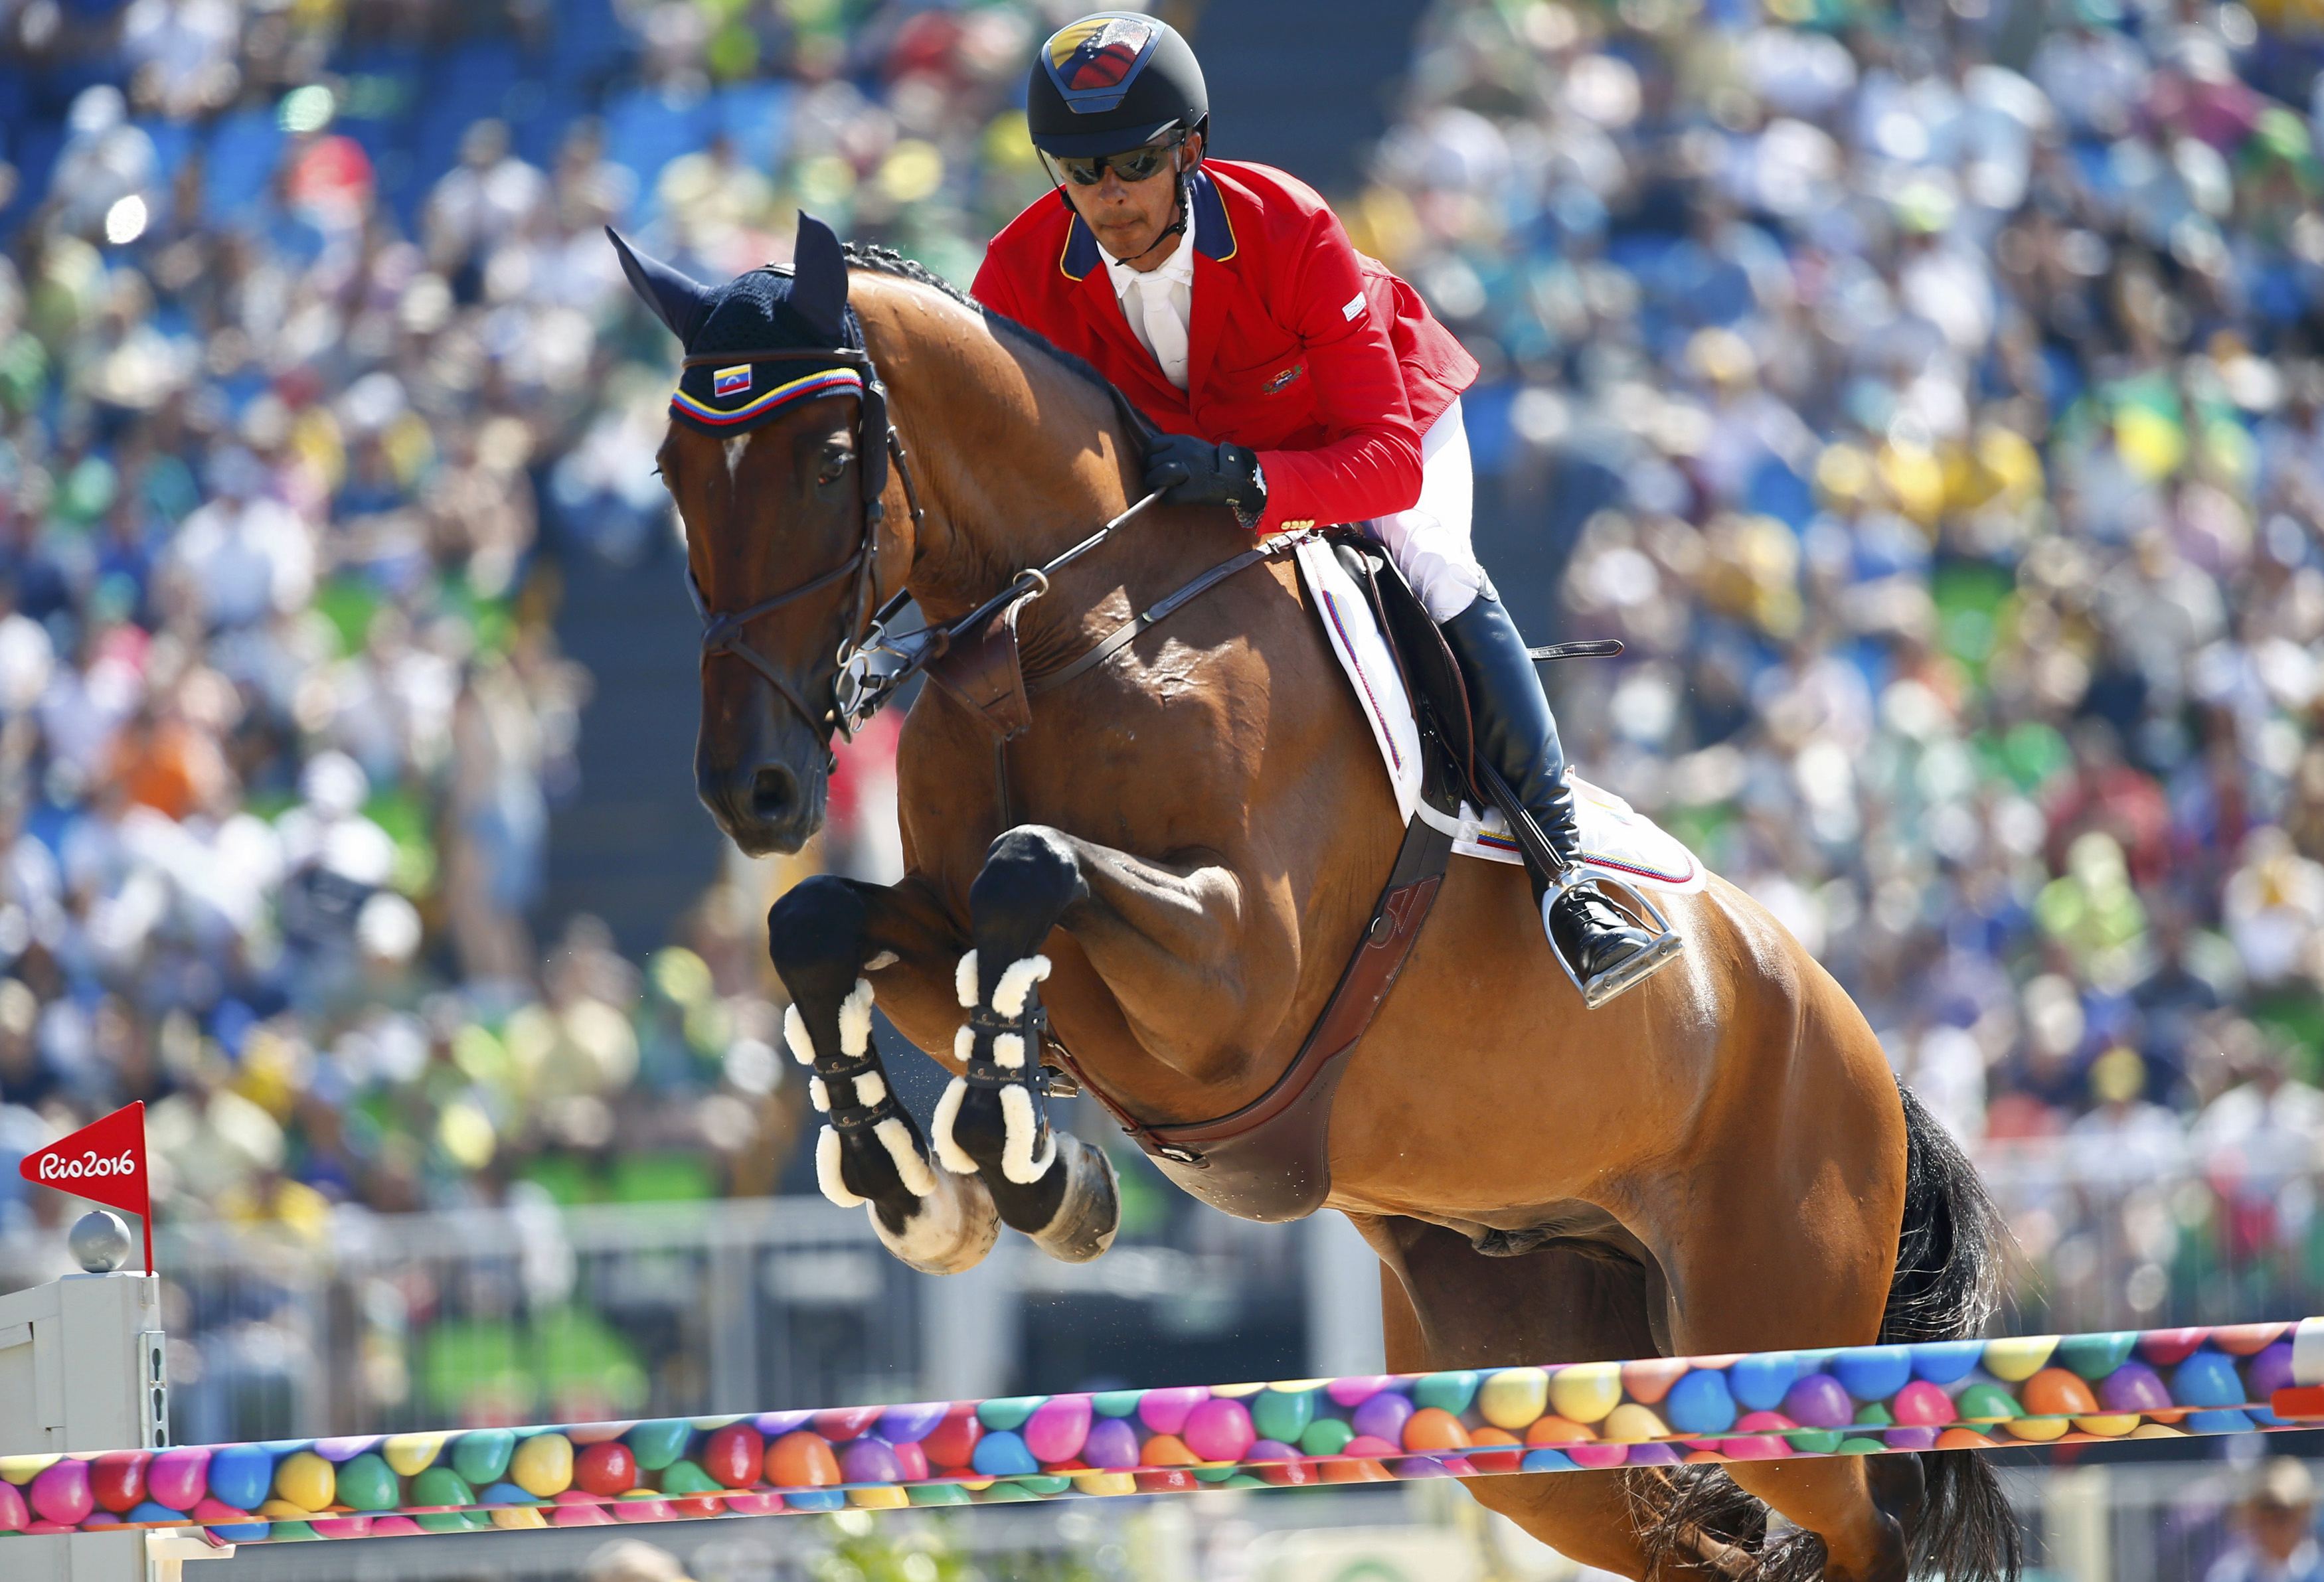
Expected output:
(1618, 841)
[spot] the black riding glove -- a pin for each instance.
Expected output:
(1196, 472)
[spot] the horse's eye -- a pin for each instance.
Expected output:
(834, 464)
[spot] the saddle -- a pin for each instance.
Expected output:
(1432, 680)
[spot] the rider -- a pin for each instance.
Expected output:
(1295, 380)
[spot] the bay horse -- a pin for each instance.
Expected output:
(1174, 861)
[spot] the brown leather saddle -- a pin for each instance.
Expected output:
(1270, 1160)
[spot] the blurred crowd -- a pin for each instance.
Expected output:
(1932, 397)
(1943, 387)
(314, 361)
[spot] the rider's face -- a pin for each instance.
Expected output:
(1128, 217)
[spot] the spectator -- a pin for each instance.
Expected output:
(2273, 906)
(2127, 1140)
(488, 198)
(2265, 1130)
(245, 554)
(2173, 1002)
(2278, 1541)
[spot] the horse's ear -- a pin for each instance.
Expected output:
(819, 278)
(678, 301)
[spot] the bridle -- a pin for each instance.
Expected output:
(723, 633)
(872, 664)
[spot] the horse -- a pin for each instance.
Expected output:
(1165, 867)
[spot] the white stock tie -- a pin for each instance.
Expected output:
(1164, 327)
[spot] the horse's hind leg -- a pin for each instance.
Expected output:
(1795, 1247)
(993, 1121)
(824, 936)
(1854, 1507)
(1445, 1305)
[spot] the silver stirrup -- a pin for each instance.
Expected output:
(1632, 969)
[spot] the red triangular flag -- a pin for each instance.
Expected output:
(105, 1160)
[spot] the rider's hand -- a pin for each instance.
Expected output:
(1195, 472)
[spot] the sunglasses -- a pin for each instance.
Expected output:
(1140, 164)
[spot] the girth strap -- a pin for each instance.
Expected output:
(1278, 1142)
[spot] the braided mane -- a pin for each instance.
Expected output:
(887, 260)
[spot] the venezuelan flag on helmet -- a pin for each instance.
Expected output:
(1094, 61)
(1112, 81)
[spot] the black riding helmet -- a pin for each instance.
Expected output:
(1112, 82)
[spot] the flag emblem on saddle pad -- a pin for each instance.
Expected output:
(729, 382)
(1092, 60)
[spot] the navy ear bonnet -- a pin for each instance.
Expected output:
(769, 309)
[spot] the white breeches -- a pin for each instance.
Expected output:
(1429, 542)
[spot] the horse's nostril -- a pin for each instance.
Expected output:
(774, 793)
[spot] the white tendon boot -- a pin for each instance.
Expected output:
(1089, 1213)
(1021, 1126)
(950, 1223)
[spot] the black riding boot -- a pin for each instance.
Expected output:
(1606, 951)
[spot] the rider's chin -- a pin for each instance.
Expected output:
(1121, 231)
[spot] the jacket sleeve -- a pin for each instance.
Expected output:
(1371, 465)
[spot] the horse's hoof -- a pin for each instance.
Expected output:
(1085, 1221)
(950, 1230)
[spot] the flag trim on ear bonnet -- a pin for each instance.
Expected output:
(685, 404)
(723, 329)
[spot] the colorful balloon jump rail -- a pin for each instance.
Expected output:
(1968, 1394)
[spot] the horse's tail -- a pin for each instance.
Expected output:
(1950, 1258)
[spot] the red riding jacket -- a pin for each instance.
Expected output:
(1301, 348)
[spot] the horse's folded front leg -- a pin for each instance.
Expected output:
(994, 1120)
(869, 1150)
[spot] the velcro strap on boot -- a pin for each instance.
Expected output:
(1032, 1028)
(861, 1117)
(986, 1075)
(839, 1074)
(843, 1068)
